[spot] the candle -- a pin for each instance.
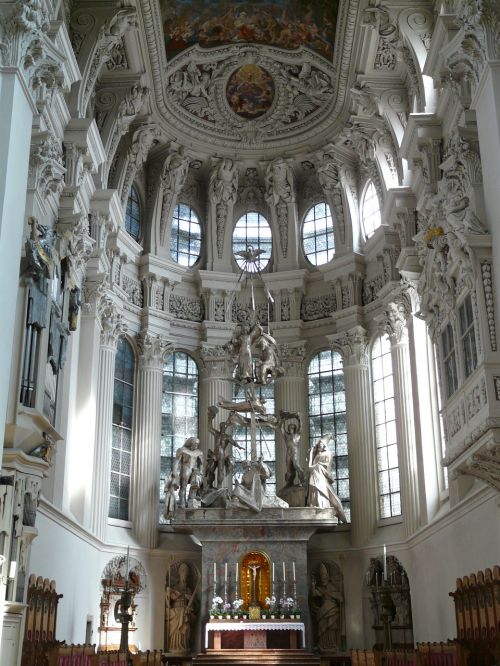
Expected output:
(225, 572)
(273, 572)
(385, 563)
(237, 564)
(293, 570)
(284, 572)
(215, 573)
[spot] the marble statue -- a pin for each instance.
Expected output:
(326, 602)
(291, 432)
(241, 349)
(188, 470)
(180, 612)
(268, 366)
(251, 490)
(222, 460)
(320, 491)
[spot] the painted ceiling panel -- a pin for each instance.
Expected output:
(284, 23)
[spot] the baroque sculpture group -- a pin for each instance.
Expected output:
(209, 483)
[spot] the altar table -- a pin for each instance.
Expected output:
(255, 632)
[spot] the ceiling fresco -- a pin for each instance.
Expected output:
(287, 24)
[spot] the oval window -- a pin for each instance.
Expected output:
(185, 239)
(252, 242)
(317, 235)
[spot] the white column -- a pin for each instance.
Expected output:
(290, 395)
(112, 328)
(146, 441)
(16, 112)
(360, 433)
(214, 385)
(395, 325)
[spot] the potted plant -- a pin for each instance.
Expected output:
(227, 610)
(296, 610)
(270, 606)
(288, 607)
(237, 611)
(215, 610)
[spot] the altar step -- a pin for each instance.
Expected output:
(256, 658)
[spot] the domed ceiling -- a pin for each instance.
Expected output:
(250, 79)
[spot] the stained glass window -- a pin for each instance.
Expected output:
(252, 229)
(327, 414)
(185, 239)
(179, 410)
(121, 447)
(385, 429)
(317, 235)
(370, 210)
(133, 215)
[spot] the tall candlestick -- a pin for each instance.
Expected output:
(284, 572)
(273, 572)
(293, 570)
(215, 573)
(385, 563)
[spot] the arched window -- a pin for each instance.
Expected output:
(121, 447)
(370, 210)
(133, 215)
(317, 235)
(385, 429)
(179, 409)
(185, 239)
(327, 414)
(252, 229)
(265, 438)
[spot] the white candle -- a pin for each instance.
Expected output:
(293, 569)
(273, 572)
(385, 563)
(225, 572)
(237, 573)
(215, 572)
(284, 572)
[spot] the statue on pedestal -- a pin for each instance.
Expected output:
(320, 491)
(291, 436)
(180, 611)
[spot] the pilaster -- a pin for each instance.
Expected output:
(353, 345)
(147, 434)
(112, 327)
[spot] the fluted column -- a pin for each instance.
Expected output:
(360, 432)
(147, 434)
(112, 327)
(215, 384)
(396, 316)
(290, 395)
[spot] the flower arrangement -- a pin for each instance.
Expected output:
(289, 604)
(237, 610)
(270, 602)
(216, 606)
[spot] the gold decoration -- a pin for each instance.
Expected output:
(262, 578)
(433, 233)
(254, 612)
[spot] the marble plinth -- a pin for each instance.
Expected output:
(294, 496)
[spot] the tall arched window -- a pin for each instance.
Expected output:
(179, 409)
(265, 438)
(370, 210)
(385, 429)
(252, 229)
(121, 447)
(317, 235)
(185, 239)
(327, 414)
(133, 215)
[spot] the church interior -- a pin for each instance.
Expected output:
(250, 382)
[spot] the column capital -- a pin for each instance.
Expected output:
(394, 320)
(352, 344)
(216, 361)
(292, 357)
(152, 349)
(111, 322)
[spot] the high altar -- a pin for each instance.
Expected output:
(254, 544)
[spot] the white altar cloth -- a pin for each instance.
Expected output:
(251, 625)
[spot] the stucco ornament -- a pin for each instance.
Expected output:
(223, 190)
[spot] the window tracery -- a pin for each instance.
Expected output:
(252, 229)
(121, 446)
(133, 215)
(186, 237)
(317, 234)
(327, 414)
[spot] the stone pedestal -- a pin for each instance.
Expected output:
(227, 535)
